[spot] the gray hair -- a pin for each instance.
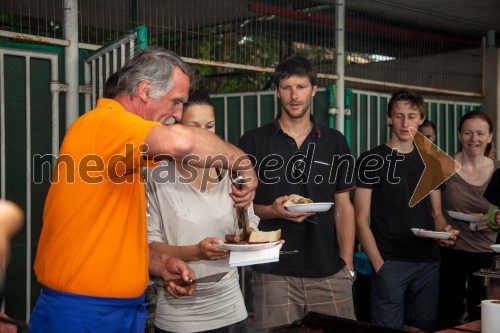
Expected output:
(154, 64)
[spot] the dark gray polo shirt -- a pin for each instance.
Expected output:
(315, 171)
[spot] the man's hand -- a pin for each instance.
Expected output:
(171, 268)
(277, 211)
(6, 327)
(244, 196)
(447, 242)
(283, 213)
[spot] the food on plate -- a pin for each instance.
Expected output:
(296, 199)
(454, 232)
(257, 237)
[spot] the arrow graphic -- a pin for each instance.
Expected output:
(439, 166)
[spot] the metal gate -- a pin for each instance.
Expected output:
(107, 60)
(29, 135)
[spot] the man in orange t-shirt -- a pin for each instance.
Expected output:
(92, 258)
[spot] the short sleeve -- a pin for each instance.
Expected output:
(492, 193)
(345, 168)
(153, 209)
(365, 175)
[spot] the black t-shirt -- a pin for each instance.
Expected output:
(277, 159)
(393, 177)
(492, 193)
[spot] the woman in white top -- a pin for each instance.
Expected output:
(189, 213)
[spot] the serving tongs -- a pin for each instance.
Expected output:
(242, 213)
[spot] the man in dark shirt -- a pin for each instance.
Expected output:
(296, 155)
(492, 194)
(405, 286)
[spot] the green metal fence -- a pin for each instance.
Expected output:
(366, 125)
(30, 118)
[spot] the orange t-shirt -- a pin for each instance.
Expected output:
(93, 240)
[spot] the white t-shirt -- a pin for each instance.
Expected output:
(180, 214)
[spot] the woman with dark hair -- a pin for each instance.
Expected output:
(428, 129)
(463, 192)
(189, 213)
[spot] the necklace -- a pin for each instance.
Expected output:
(479, 175)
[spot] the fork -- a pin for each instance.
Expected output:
(289, 252)
(311, 221)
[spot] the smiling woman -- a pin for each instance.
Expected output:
(463, 193)
(475, 134)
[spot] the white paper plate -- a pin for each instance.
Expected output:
(465, 217)
(316, 207)
(248, 247)
(430, 234)
(495, 247)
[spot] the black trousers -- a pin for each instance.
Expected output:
(457, 283)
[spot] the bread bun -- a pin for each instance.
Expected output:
(264, 236)
(296, 199)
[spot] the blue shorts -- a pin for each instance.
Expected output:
(405, 293)
(57, 311)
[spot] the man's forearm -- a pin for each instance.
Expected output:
(345, 230)
(157, 260)
(368, 243)
(203, 148)
(440, 222)
(345, 227)
(264, 212)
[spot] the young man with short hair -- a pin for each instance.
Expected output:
(296, 155)
(405, 284)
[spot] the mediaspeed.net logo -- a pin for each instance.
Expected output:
(120, 168)
(434, 173)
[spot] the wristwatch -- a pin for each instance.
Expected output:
(353, 275)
